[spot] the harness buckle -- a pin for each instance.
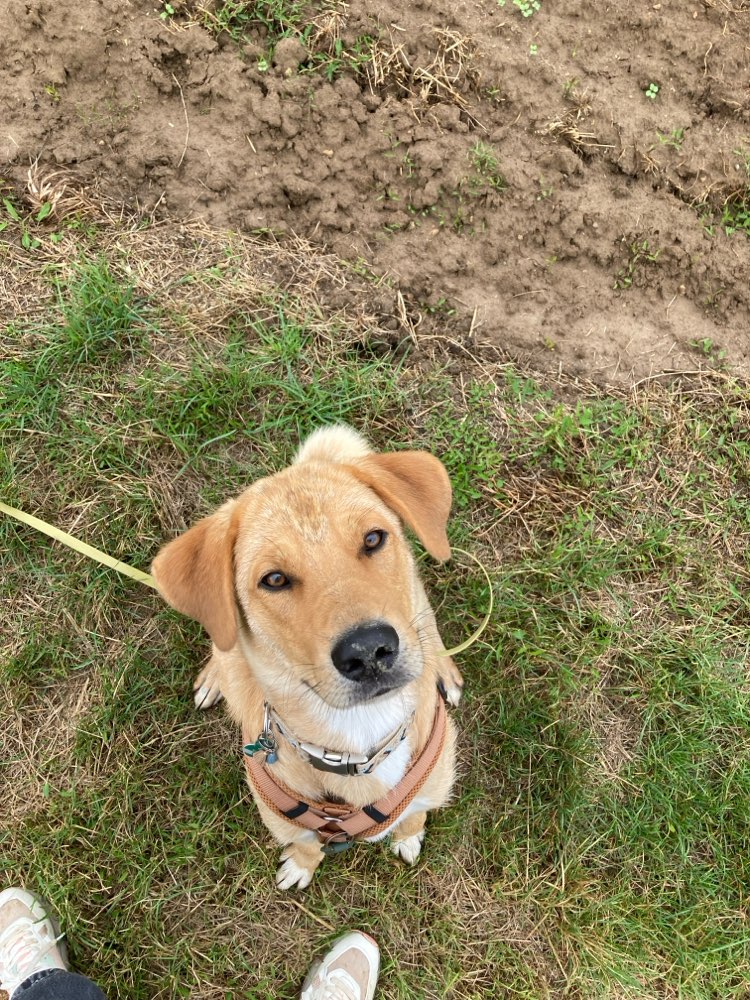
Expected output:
(333, 761)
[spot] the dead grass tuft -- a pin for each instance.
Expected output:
(327, 26)
(443, 78)
(567, 128)
(731, 6)
(615, 727)
(57, 190)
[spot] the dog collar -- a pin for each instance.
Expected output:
(322, 758)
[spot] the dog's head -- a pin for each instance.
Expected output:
(310, 572)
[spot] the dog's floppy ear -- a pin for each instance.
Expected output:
(195, 574)
(416, 486)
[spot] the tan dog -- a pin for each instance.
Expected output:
(324, 641)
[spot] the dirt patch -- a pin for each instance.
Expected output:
(546, 183)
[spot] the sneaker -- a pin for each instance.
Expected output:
(348, 972)
(29, 941)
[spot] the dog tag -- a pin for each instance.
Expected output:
(265, 744)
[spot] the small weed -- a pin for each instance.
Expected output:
(673, 139)
(533, 49)
(167, 11)
(30, 237)
(52, 91)
(408, 166)
(735, 216)
(706, 217)
(639, 253)
(527, 7)
(484, 160)
(545, 191)
(342, 58)
(440, 308)
(712, 297)
(735, 212)
(651, 91)
(709, 350)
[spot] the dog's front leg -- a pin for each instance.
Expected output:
(407, 837)
(299, 861)
(302, 850)
(450, 681)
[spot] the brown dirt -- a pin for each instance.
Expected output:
(377, 165)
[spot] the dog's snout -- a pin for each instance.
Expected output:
(366, 651)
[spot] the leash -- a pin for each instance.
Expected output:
(77, 545)
(136, 574)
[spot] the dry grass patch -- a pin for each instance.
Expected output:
(36, 738)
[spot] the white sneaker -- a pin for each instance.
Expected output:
(349, 971)
(29, 941)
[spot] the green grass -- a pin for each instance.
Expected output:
(599, 843)
(315, 26)
(483, 158)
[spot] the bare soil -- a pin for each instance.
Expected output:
(583, 233)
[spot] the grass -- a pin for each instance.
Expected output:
(599, 843)
(486, 165)
(735, 215)
(315, 26)
(640, 254)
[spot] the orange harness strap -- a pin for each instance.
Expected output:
(336, 823)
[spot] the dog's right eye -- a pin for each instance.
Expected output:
(275, 581)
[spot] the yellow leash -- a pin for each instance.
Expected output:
(475, 635)
(136, 574)
(77, 545)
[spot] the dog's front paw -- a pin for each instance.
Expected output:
(408, 849)
(450, 682)
(292, 875)
(206, 690)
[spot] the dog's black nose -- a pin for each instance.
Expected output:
(366, 651)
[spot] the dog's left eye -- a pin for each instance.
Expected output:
(374, 540)
(275, 581)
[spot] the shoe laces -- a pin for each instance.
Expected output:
(337, 985)
(24, 948)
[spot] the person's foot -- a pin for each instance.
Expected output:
(349, 971)
(29, 942)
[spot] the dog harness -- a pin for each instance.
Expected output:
(338, 825)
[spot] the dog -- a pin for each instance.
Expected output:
(325, 646)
